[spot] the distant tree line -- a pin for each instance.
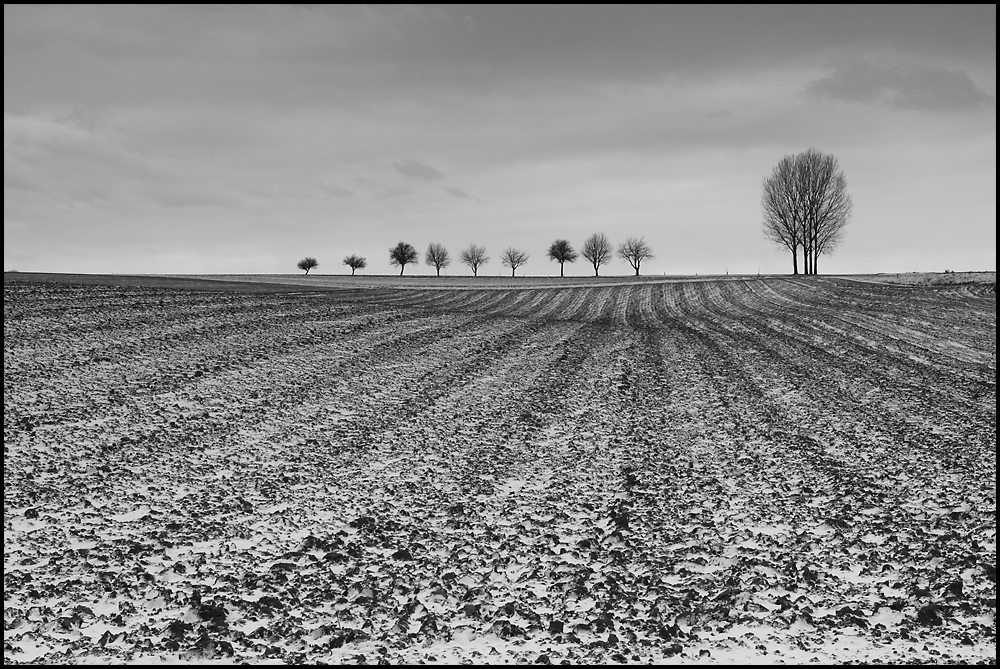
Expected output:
(597, 249)
(805, 209)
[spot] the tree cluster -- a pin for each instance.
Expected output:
(598, 251)
(355, 262)
(806, 206)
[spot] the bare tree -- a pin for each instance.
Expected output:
(513, 258)
(806, 206)
(438, 257)
(782, 224)
(402, 254)
(562, 253)
(474, 257)
(308, 264)
(355, 262)
(634, 251)
(597, 249)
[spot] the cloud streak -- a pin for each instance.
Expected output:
(461, 194)
(415, 169)
(901, 87)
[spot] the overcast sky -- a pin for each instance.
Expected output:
(165, 139)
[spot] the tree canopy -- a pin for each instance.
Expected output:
(562, 252)
(597, 249)
(633, 251)
(475, 257)
(355, 262)
(401, 255)
(437, 257)
(308, 263)
(513, 258)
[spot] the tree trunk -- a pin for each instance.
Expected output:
(560, 270)
(401, 267)
(815, 240)
(795, 260)
(637, 270)
(512, 270)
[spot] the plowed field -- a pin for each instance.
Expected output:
(770, 470)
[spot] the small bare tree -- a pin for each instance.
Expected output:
(308, 264)
(806, 206)
(513, 258)
(474, 257)
(437, 257)
(355, 262)
(596, 249)
(402, 254)
(634, 251)
(562, 252)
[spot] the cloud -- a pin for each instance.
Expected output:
(182, 196)
(187, 129)
(334, 189)
(904, 87)
(392, 193)
(14, 228)
(418, 170)
(461, 194)
(720, 113)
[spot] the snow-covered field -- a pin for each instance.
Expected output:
(742, 470)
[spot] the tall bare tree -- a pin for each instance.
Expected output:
(597, 249)
(402, 254)
(806, 207)
(634, 251)
(513, 258)
(355, 262)
(437, 257)
(308, 264)
(475, 257)
(562, 252)
(782, 219)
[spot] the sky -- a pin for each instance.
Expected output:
(218, 139)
